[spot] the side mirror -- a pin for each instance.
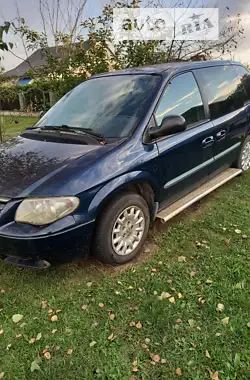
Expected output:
(169, 126)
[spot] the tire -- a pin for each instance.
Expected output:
(120, 215)
(243, 161)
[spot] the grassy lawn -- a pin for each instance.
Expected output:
(125, 331)
(88, 321)
(13, 125)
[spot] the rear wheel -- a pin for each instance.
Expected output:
(243, 161)
(122, 229)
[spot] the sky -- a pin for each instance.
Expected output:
(29, 10)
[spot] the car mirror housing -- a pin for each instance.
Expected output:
(170, 125)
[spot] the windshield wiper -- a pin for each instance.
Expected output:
(80, 131)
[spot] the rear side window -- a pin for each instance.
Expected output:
(181, 97)
(244, 82)
(221, 86)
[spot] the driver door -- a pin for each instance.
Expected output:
(185, 159)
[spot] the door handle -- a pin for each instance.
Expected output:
(208, 141)
(221, 134)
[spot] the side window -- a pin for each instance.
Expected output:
(221, 86)
(244, 82)
(182, 97)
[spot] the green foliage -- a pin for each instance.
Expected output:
(4, 29)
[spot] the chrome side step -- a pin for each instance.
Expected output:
(197, 194)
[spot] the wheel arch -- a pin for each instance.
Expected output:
(142, 183)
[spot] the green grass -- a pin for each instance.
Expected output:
(130, 294)
(13, 125)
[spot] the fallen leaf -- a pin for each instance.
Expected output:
(132, 324)
(214, 376)
(169, 282)
(58, 311)
(220, 307)
(238, 231)
(1, 332)
(53, 331)
(54, 318)
(3, 291)
(191, 322)
(84, 307)
(32, 340)
(89, 284)
(171, 300)
(17, 318)
(227, 241)
(144, 346)
(178, 372)
(248, 325)
(69, 352)
(207, 355)
(111, 337)
(163, 296)
(193, 274)
(163, 361)
(201, 300)
(47, 355)
(164, 339)
(193, 345)
(8, 347)
(57, 348)
(135, 369)
(178, 321)
(1, 375)
(100, 304)
(209, 282)
(182, 259)
(225, 321)
(44, 304)
(138, 325)
(39, 336)
(18, 336)
(34, 366)
(244, 236)
(50, 311)
(155, 358)
(180, 295)
(92, 344)
(147, 340)
(112, 317)
(154, 270)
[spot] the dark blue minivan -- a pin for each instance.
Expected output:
(116, 152)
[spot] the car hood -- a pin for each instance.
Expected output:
(24, 162)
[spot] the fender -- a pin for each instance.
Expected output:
(115, 185)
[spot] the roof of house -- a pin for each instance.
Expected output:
(165, 68)
(35, 60)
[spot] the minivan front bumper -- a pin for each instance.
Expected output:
(38, 251)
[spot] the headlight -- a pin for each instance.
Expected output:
(42, 211)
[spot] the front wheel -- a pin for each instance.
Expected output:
(243, 161)
(121, 229)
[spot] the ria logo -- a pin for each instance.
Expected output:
(143, 24)
(197, 24)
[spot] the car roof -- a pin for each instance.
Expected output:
(166, 68)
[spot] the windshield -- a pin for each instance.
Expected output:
(111, 106)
